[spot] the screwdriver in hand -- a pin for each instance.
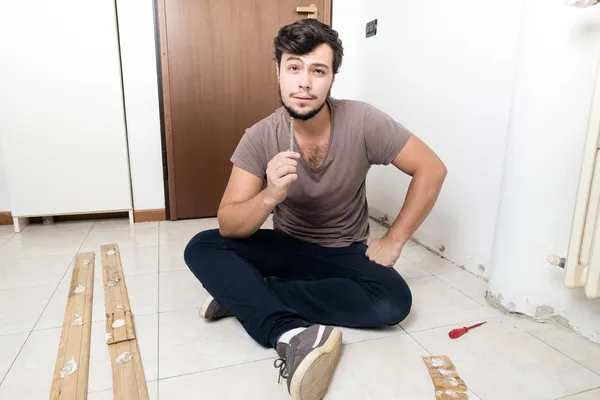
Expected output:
(291, 134)
(456, 333)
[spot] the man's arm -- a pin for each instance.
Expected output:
(428, 174)
(244, 206)
(247, 201)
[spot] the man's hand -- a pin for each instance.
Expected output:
(281, 172)
(384, 251)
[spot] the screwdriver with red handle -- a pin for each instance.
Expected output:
(456, 333)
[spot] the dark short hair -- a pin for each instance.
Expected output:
(304, 36)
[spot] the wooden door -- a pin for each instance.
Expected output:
(218, 79)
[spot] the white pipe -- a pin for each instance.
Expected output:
(581, 3)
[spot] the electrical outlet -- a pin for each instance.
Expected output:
(371, 28)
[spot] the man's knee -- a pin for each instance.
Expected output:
(202, 242)
(396, 306)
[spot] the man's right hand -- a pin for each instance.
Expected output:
(281, 172)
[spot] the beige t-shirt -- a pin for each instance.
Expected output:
(327, 205)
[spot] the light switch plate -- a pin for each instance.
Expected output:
(371, 29)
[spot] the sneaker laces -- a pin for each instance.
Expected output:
(281, 364)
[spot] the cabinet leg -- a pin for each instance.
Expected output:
(20, 223)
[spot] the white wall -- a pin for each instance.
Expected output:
(444, 70)
(558, 56)
(502, 92)
(349, 22)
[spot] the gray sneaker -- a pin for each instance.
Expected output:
(211, 309)
(309, 361)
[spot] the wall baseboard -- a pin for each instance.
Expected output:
(149, 215)
(6, 218)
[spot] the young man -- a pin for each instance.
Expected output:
(290, 286)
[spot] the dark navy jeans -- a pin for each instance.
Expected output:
(272, 283)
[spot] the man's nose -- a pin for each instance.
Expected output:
(305, 80)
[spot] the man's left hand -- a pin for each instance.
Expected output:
(384, 251)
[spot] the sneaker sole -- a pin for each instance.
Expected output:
(204, 306)
(313, 376)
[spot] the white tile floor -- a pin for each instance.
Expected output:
(184, 357)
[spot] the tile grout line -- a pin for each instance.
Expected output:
(181, 310)
(402, 332)
(418, 277)
(42, 313)
(93, 322)
(453, 324)
(37, 286)
(578, 393)
(417, 342)
(8, 239)
(455, 288)
(458, 269)
(218, 368)
(158, 321)
(563, 353)
(111, 389)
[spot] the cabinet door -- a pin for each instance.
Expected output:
(62, 124)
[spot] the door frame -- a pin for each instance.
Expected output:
(164, 94)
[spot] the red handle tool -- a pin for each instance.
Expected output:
(456, 333)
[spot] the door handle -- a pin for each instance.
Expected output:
(311, 10)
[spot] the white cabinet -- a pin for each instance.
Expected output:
(62, 122)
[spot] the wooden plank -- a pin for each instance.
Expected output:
(448, 384)
(116, 332)
(129, 381)
(116, 297)
(74, 347)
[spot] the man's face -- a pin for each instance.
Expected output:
(305, 81)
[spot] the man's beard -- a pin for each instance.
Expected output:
(294, 114)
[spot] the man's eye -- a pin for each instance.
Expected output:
(319, 71)
(293, 68)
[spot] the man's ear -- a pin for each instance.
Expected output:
(277, 71)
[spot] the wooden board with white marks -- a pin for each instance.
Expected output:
(129, 381)
(448, 384)
(71, 372)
